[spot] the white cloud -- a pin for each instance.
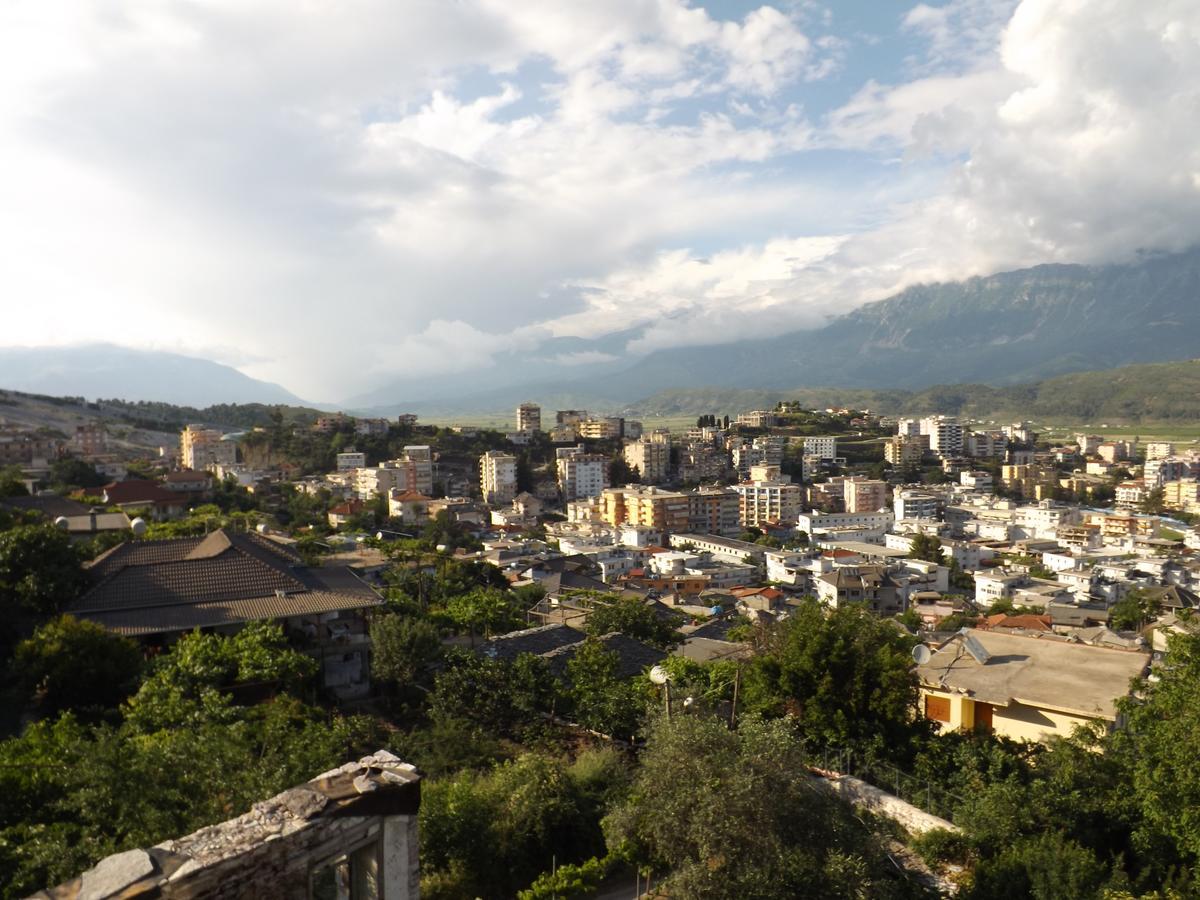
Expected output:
(404, 187)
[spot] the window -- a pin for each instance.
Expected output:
(937, 708)
(351, 876)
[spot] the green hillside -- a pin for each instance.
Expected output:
(1131, 395)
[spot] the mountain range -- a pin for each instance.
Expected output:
(109, 371)
(1009, 328)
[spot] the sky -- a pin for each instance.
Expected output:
(331, 195)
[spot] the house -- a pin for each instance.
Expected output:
(870, 585)
(187, 481)
(1025, 687)
(156, 590)
(140, 494)
(557, 644)
(342, 513)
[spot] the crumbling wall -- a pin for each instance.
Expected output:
(363, 814)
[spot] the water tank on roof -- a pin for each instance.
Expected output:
(261, 528)
(138, 526)
(61, 523)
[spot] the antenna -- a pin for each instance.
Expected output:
(921, 654)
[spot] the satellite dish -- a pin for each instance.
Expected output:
(659, 675)
(921, 654)
(62, 523)
(138, 526)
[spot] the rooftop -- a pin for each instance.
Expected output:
(1039, 670)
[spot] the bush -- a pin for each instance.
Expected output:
(941, 845)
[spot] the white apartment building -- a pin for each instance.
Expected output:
(351, 459)
(1042, 520)
(1159, 450)
(976, 480)
(580, 474)
(370, 481)
(769, 501)
(498, 477)
(945, 435)
(910, 504)
(821, 446)
(870, 526)
(201, 447)
(651, 458)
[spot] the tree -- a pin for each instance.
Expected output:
(845, 675)
(927, 547)
(1134, 610)
(630, 616)
(504, 697)
(727, 814)
(74, 664)
(600, 698)
(620, 472)
(1154, 502)
(40, 570)
(1160, 743)
(402, 648)
(485, 610)
(12, 482)
(72, 472)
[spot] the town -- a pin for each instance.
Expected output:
(1022, 585)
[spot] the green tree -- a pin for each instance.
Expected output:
(74, 664)
(927, 547)
(1160, 743)
(40, 570)
(70, 472)
(485, 610)
(633, 617)
(1133, 611)
(600, 698)
(402, 648)
(506, 698)
(844, 675)
(12, 482)
(725, 814)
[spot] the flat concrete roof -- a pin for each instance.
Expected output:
(1041, 671)
(862, 548)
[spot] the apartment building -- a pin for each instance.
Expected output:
(701, 462)
(201, 447)
(759, 418)
(766, 450)
(821, 446)
(768, 501)
(371, 427)
(911, 504)
(985, 444)
(651, 458)
(498, 477)
(945, 435)
(419, 458)
(601, 429)
(1183, 494)
(864, 495)
(905, 450)
(580, 474)
(1159, 450)
(715, 511)
(529, 417)
(90, 440)
(351, 459)
(646, 507)
(975, 480)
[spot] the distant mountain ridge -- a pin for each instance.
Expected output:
(109, 371)
(1000, 329)
(1129, 395)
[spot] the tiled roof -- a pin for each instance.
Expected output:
(143, 587)
(633, 656)
(133, 623)
(138, 490)
(50, 505)
(538, 641)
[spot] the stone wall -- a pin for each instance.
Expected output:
(356, 824)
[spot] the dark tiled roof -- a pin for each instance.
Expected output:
(538, 641)
(133, 623)
(633, 656)
(144, 587)
(50, 505)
